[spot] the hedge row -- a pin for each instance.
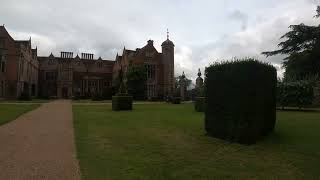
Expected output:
(241, 100)
(295, 94)
(176, 100)
(25, 96)
(121, 102)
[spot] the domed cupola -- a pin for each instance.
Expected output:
(167, 42)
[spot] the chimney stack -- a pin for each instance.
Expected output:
(86, 56)
(66, 55)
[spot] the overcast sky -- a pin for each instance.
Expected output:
(204, 31)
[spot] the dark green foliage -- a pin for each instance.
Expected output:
(176, 100)
(107, 94)
(241, 100)
(75, 98)
(200, 92)
(97, 97)
(121, 102)
(295, 94)
(302, 47)
(200, 104)
(25, 96)
(136, 81)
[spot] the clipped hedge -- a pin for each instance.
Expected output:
(121, 102)
(97, 97)
(295, 94)
(241, 100)
(200, 104)
(25, 96)
(176, 100)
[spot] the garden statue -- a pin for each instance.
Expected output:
(122, 101)
(122, 88)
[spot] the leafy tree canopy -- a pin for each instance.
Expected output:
(136, 81)
(302, 47)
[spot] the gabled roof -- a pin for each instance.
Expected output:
(5, 32)
(51, 56)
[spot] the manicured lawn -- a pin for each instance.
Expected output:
(162, 141)
(9, 112)
(82, 101)
(36, 101)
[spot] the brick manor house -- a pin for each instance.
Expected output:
(22, 70)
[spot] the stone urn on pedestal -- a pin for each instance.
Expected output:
(200, 100)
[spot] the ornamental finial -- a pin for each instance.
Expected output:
(199, 73)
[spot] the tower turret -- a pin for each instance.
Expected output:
(168, 66)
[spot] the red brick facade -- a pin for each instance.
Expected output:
(68, 76)
(21, 70)
(160, 67)
(19, 67)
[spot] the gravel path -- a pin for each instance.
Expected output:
(40, 145)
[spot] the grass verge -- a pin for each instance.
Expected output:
(9, 112)
(164, 141)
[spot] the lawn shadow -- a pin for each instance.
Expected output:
(299, 110)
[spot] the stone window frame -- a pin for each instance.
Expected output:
(151, 90)
(151, 71)
(53, 76)
(149, 55)
(2, 64)
(106, 84)
(2, 43)
(51, 61)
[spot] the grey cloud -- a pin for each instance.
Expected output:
(202, 32)
(237, 15)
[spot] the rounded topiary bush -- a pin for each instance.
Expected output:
(241, 100)
(200, 104)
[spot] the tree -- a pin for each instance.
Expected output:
(302, 47)
(295, 94)
(318, 12)
(136, 81)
